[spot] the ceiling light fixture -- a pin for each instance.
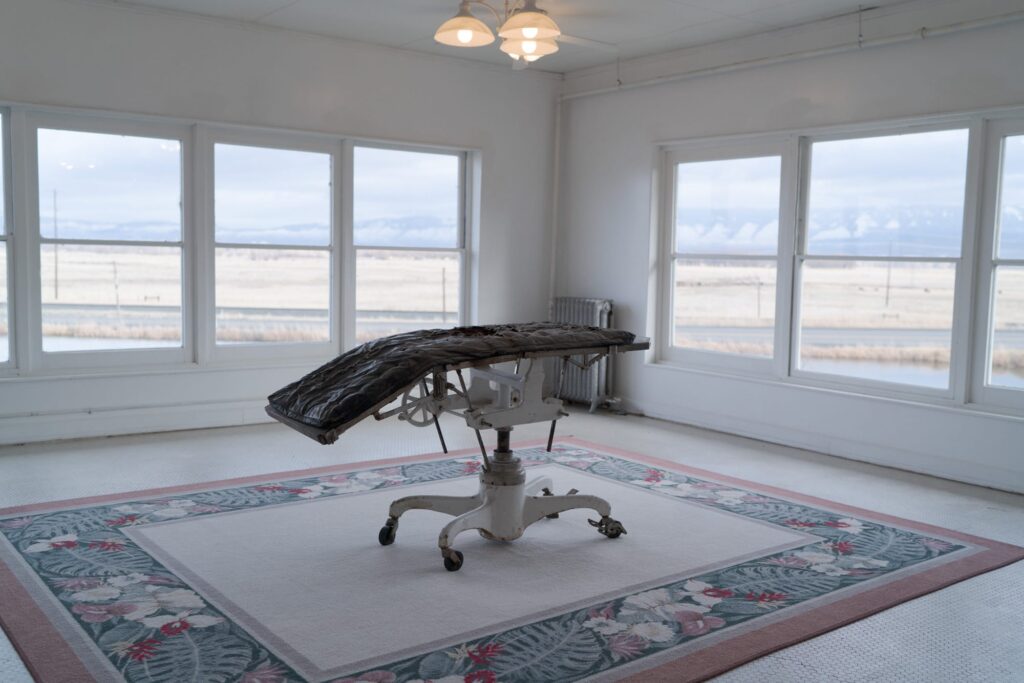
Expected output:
(528, 32)
(531, 50)
(464, 30)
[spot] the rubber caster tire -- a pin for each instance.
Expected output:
(614, 531)
(612, 528)
(453, 565)
(387, 535)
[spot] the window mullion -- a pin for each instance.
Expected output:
(789, 212)
(343, 195)
(202, 246)
(26, 318)
(962, 337)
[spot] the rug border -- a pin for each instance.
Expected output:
(31, 631)
(43, 650)
(709, 662)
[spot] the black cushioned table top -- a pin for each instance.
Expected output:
(358, 382)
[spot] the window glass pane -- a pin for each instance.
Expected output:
(406, 199)
(1008, 332)
(112, 187)
(5, 347)
(3, 184)
(272, 196)
(273, 295)
(400, 291)
(1011, 200)
(110, 297)
(885, 321)
(729, 206)
(725, 306)
(899, 195)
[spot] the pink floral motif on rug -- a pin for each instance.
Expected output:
(85, 598)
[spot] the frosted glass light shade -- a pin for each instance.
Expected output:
(464, 30)
(529, 48)
(529, 24)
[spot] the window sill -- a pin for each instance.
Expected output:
(903, 398)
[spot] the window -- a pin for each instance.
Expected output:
(273, 254)
(1006, 361)
(724, 246)
(408, 214)
(1001, 378)
(881, 250)
(110, 240)
(5, 324)
(154, 243)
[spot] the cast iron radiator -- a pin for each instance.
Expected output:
(592, 386)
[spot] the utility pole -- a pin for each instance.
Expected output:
(888, 275)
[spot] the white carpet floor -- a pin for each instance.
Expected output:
(973, 631)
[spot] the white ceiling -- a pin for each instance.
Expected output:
(631, 28)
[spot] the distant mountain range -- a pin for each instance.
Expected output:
(411, 231)
(903, 231)
(915, 231)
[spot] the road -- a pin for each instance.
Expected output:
(400, 321)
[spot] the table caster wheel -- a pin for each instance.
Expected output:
(453, 560)
(387, 533)
(609, 527)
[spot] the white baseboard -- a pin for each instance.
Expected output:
(973, 472)
(36, 428)
(50, 427)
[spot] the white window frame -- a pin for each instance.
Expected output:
(959, 331)
(463, 245)
(32, 357)
(7, 237)
(782, 146)
(969, 362)
(199, 349)
(988, 261)
(209, 351)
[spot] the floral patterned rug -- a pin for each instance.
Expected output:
(83, 601)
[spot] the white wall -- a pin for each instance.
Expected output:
(609, 154)
(88, 55)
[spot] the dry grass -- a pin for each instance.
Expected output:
(95, 331)
(258, 278)
(835, 296)
(274, 333)
(1002, 359)
(706, 296)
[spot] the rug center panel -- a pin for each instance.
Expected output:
(310, 580)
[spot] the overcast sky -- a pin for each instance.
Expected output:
(118, 186)
(129, 187)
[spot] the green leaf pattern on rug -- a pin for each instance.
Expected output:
(154, 627)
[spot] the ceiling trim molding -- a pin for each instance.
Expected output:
(843, 33)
